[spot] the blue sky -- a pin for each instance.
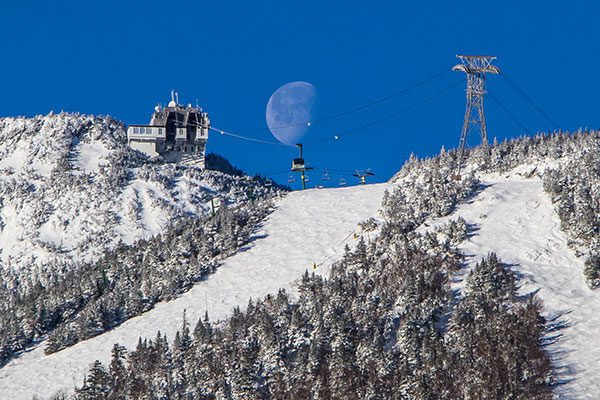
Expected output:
(121, 58)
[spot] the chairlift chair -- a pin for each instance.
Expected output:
(342, 182)
(325, 176)
(291, 179)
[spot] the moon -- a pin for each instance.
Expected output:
(290, 110)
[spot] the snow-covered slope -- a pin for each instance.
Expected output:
(70, 188)
(513, 217)
(307, 227)
(72, 204)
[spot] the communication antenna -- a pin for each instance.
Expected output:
(475, 67)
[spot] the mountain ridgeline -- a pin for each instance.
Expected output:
(94, 233)
(385, 324)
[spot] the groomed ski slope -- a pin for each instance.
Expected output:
(513, 217)
(307, 227)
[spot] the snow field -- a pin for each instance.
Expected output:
(307, 227)
(513, 217)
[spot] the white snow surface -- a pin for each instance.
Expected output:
(307, 227)
(70, 189)
(513, 217)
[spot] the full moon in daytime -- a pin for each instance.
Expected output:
(290, 110)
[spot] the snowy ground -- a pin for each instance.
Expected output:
(307, 227)
(513, 217)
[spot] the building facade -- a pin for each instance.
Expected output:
(176, 132)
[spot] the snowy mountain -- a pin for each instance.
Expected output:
(71, 188)
(277, 259)
(72, 191)
(426, 287)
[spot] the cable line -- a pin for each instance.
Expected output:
(364, 106)
(528, 100)
(507, 112)
(383, 99)
(391, 116)
(334, 116)
(235, 135)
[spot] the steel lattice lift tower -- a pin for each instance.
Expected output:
(475, 67)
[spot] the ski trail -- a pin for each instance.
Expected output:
(306, 227)
(515, 218)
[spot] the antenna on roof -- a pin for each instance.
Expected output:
(174, 95)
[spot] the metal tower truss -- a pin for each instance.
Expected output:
(476, 68)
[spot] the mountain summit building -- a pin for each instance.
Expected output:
(177, 133)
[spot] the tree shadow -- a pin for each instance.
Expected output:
(470, 199)
(563, 373)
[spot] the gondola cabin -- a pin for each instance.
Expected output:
(298, 165)
(177, 133)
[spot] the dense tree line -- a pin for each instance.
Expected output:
(131, 279)
(569, 164)
(369, 332)
(216, 162)
(87, 299)
(89, 280)
(383, 325)
(575, 189)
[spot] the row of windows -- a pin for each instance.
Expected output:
(185, 148)
(146, 130)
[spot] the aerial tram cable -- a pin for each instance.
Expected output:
(389, 117)
(272, 173)
(362, 107)
(539, 117)
(279, 171)
(335, 137)
(235, 135)
(507, 112)
(373, 123)
(517, 126)
(529, 100)
(383, 99)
